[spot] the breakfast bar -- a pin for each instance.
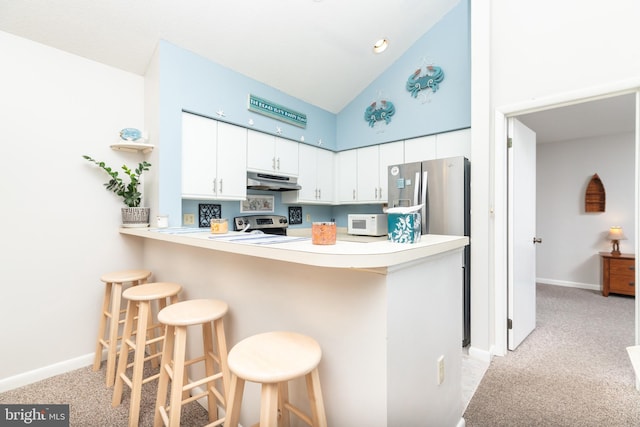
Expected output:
(387, 315)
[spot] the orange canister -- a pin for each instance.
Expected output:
(323, 233)
(219, 225)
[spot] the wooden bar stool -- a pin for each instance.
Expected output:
(178, 317)
(273, 359)
(111, 315)
(139, 299)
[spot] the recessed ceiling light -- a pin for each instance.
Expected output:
(380, 46)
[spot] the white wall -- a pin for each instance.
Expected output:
(571, 238)
(60, 226)
(530, 53)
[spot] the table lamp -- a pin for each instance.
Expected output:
(615, 235)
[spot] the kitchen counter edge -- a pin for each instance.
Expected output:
(344, 254)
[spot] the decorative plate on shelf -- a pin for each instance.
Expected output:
(130, 134)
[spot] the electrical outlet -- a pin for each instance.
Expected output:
(189, 219)
(440, 369)
(308, 217)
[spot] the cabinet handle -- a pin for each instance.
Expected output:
(354, 194)
(215, 186)
(319, 193)
(380, 192)
(375, 193)
(632, 284)
(633, 267)
(273, 163)
(278, 163)
(220, 185)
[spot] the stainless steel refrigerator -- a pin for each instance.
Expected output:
(443, 186)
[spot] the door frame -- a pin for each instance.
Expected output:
(500, 236)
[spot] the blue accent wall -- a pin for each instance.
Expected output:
(192, 83)
(447, 44)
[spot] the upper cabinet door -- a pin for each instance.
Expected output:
(453, 144)
(286, 155)
(420, 149)
(231, 162)
(260, 152)
(271, 154)
(324, 174)
(214, 157)
(199, 145)
(368, 184)
(346, 176)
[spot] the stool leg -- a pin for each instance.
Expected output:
(234, 401)
(221, 342)
(283, 398)
(138, 364)
(116, 292)
(269, 405)
(179, 356)
(103, 326)
(209, 363)
(132, 309)
(315, 399)
(151, 333)
(163, 382)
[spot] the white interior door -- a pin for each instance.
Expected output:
(521, 159)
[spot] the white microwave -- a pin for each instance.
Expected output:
(367, 224)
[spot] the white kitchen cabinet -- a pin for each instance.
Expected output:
(440, 146)
(316, 177)
(213, 159)
(362, 172)
(419, 149)
(454, 144)
(368, 181)
(271, 154)
(373, 163)
(346, 176)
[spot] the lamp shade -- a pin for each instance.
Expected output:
(615, 233)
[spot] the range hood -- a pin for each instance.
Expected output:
(265, 181)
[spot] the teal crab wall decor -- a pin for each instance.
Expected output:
(431, 79)
(374, 114)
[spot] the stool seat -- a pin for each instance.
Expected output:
(193, 312)
(152, 291)
(274, 357)
(125, 276)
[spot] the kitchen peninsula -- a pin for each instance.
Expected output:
(384, 314)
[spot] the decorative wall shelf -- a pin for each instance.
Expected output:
(595, 197)
(132, 147)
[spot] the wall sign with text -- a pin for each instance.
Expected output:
(276, 111)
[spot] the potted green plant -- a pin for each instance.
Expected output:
(133, 215)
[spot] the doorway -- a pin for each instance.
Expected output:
(561, 119)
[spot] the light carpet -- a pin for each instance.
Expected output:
(573, 370)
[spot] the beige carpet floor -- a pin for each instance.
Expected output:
(572, 371)
(89, 400)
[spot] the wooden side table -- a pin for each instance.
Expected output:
(618, 274)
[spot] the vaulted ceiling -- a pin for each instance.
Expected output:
(319, 51)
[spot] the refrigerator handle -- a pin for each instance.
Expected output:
(425, 207)
(416, 189)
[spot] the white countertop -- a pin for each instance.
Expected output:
(344, 254)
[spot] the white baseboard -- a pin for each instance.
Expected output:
(568, 284)
(482, 355)
(45, 372)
